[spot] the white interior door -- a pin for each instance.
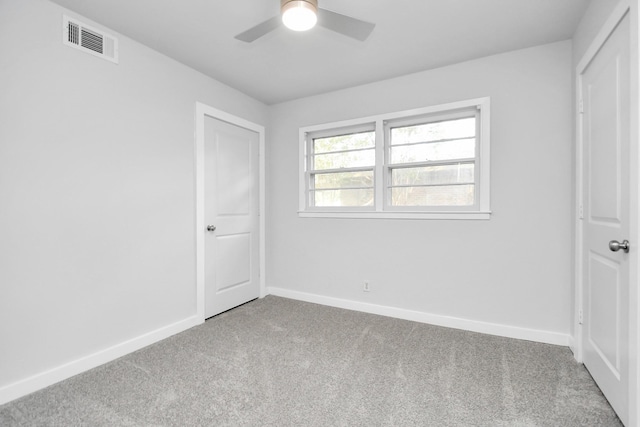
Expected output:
(231, 178)
(605, 90)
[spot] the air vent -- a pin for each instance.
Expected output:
(89, 40)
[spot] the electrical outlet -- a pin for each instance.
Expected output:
(365, 286)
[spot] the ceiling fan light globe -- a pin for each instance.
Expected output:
(299, 15)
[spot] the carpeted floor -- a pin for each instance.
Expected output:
(279, 362)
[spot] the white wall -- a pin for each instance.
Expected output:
(512, 270)
(97, 240)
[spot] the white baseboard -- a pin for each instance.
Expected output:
(44, 379)
(535, 335)
(59, 373)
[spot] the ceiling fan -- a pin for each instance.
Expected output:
(302, 15)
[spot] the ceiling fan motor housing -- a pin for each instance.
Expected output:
(288, 4)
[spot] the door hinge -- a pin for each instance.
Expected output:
(580, 318)
(581, 212)
(581, 106)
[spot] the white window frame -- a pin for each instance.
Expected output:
(382, 123)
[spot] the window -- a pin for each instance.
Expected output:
(429, 163)
(341, 169)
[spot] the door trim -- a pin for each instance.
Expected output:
(609, 26)
(203, 111)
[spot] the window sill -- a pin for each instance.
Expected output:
(475, 215)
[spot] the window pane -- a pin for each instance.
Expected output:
(358, 197)
(343, 180)
(434, 151)
(446, 195)
(353, 141)
(350, 159)
(450, 129)
(434, 175)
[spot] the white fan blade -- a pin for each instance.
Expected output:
(345, 25)
(259, 30)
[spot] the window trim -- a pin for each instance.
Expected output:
(380, 123)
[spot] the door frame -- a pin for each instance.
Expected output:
(623, 8)
(203, 111)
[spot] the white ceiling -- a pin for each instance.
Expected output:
(410, 36)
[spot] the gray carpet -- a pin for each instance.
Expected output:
(279, 362)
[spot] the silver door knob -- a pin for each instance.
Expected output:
(615, 246)
(211, 228)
